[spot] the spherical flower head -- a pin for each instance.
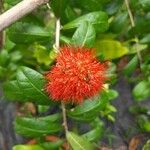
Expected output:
(76, 76)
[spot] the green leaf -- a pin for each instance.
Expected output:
(113, 6)
(110, 49)
(13, 92)
(111, 94)
(28, 87)
(51, 145)
(95, 134)
(15, 56)
(4, 57)
(65, 39)
(145, 4)
(144, 123)
(111, 108)
(84, 35)
(86, 111)
(32, 83)
(27, 147)
(131, 66)
(78, 143)
(119, 22)
(9, 45)
(141, 91)
(58, 6)
(23, 33)
(41, 54)
(106, 96)
(145, 39)
(36, 127)
(99, 19)
(137, 47)
(3, 72)
(110, 118)
(92, 5)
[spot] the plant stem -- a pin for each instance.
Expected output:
(57, 36)
(2, 34)
(64, 117)
(57, 45)
(133, 25)
(19, 11)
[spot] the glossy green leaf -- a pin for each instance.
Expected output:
(4, 57)
(58, 6)
(27, 33)
(2, 72)
(15, 56)
(99, 19)
(141, 91)
(110, 118)
(70, 14)
(8, 45)
(145, 4)
(95, 134)
(35, 127)
(106, 96)
(144, 123)
(131, 66)
(65, 39)
(111, 94)
(86, 111)
(110, 49)
(113, 6)
(28, 87)
(32, 83)
(78, 143)
(84, 35)
(13, 92)
(27, 147)
(119, 22)
(138, 109)
(111, 108)
(51, 145)
(12, 2)
(41, 54)
(137, 47)
(92, 5)
(145, 39)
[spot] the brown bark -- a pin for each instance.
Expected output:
(18, 11)
(1, 33)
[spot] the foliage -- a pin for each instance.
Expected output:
(28, 53)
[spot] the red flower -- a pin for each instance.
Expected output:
(76, 76)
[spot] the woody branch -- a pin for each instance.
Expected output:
(18, 11)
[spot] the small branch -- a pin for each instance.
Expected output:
(133, 25)
(2, 39)
(56, 46)
(130, 13)
(18, 11)
(64, 117)
(57, 36)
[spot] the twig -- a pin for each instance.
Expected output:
(64, 117)
(2, 34)
(57, 36)
(57, 45)
(18, 11)
(130, 13)
(133, 25)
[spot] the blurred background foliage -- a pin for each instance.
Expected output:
(28, 52)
